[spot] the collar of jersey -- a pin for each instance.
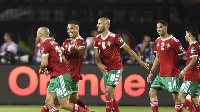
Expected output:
(106, 36)
(166, 38)
(46, 39)
(193, 42)
(77, 37)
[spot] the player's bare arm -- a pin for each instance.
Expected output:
(102, 67)
(80, 50)
(134, 55)
(192, 63)
(184, 57)
(43, 65)
(155, 65)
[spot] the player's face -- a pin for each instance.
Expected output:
(39, 36)
(101, 26)
(6, 37)
(72, 30)
(161, 29)
(187, 36)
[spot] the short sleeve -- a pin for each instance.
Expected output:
(96, 42)
(178, 48)
(45, 48)
(194, 51)
(155, 49)
(81, 43)
(119, 41)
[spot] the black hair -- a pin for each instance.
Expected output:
(74, 22)
(93, 29)
(10, 34)
(193, 30)
(163, 22)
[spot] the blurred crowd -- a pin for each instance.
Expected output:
(10, 54)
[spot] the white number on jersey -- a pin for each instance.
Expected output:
(58, 50)
(162, 46)
(103, 45)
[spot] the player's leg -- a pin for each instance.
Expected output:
(155, 86)
(187, 87)
(51, 97)
(74, 96)
(45, 108)
(195, 101)
(111, 80)
(50, 102)
(178, 104)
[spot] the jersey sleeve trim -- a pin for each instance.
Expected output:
(181, 54)
(45, 54)
(96, 47)
(62, 48)
(193, 56)
(81, 46)
(123, 45)
(155, 51)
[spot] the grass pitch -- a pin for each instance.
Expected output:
(33, 108)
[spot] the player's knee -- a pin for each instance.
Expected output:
(181, 99)
(108, 95)
(152, 93)
(73, 100)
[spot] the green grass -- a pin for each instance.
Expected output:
(28, 108)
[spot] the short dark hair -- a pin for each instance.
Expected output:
(74, 22)
(193, 30)
(163, 22)
(10, 34)
(93, 29)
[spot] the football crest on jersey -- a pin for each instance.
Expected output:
(168, 45)
(109, 43)
(193, 50)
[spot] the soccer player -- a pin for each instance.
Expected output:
(191, 85)
(74, 49)
(167, 49)
(109, 45)
(59, 86)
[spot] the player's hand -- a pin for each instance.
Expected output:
(144, 65)
(149, 78)
(102, 67)
(182, 74)
(74, 45)
(46, 71)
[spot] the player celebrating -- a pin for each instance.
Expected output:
(59, 86)
(109, 45)
(74, 49)
(191, 85)
(167, 49)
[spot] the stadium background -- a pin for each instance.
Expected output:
(134, 18)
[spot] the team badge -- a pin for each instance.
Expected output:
(109, 43)
(193, 50)
(168, 45)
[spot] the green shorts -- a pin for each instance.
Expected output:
(74, 86)
(170, 84)
(112, 77)
(191, 88)
(60, 85)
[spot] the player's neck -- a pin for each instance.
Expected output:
(191, 41)
(105, 33)
(74, 38)
(165, 36)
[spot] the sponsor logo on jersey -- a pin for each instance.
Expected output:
(109, 43)
(168, 45)
(193, 50)
(42, 50)
(99, 43)
(158, 44)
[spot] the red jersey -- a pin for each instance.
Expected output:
(74, 60)
(110, 50)
(193, 74)
(168, 51)
(52, 49)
